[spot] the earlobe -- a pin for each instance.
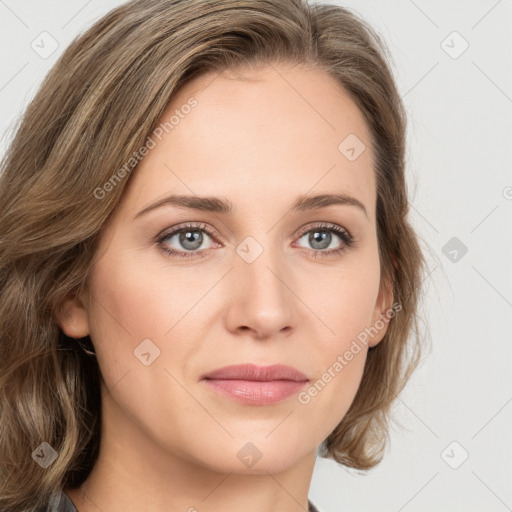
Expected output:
(381, 313)
(72, 317)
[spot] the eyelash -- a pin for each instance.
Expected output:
(343, 234)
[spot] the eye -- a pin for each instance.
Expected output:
(189, 239)
(323, 236)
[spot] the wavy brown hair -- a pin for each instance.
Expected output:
(95, 108)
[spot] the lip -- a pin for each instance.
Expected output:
(256, 385)
(257, 373)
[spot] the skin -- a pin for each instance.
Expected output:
(168, 441)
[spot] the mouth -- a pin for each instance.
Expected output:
(256, 385)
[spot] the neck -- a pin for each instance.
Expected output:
(134, 473)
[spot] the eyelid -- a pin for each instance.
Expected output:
(327, 226)
(167, 232)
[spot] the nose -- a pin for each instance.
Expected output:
(261, 298)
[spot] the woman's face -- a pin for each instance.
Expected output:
(263, 283)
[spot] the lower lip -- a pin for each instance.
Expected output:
(256, 392)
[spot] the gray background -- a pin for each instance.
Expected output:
(460, 180)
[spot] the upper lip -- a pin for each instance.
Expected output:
(256, 373)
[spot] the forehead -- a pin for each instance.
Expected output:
(276, 129)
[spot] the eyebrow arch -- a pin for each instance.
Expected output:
(221, 205)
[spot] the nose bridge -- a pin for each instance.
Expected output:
(261, 298)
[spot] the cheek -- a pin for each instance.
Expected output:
(125, 309)
(346, 305)
(132, 302)
(341, 364)
(130, 305)
(345, 300)
(137, 300)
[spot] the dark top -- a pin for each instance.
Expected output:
(62, 503)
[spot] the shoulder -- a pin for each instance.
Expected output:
(60, 502)
(313, 508)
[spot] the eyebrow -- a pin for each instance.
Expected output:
(222, 205)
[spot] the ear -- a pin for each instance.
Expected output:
(383, 305)
(71, 315)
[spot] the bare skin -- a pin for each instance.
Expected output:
(169, 442)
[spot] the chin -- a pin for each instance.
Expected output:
(253, 457)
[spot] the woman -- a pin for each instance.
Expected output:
(207, 275)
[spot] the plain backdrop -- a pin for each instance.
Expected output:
(452, 62)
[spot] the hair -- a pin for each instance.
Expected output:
(94, 109)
